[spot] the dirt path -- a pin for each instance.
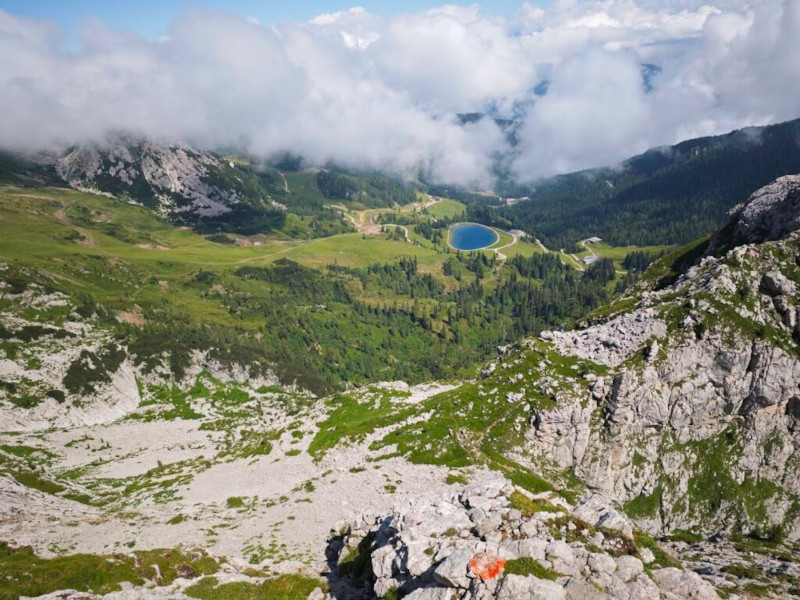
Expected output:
(432, 200)
(61, 217)
(403, 227)
(576, 262)
(366, 225)
(499, 254)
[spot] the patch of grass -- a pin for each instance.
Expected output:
(644, 506)
(528, 566)
(21, 451)
(234, 502)
(30, 479)
(446, 208)
(285, 587)
(662, 557)
(25, 401)
(688, 537)
(743, 571)
(352, 418)
(528, 507)
(25, 574)
(665, 271)
(455, 478)
(393, 593)
(357, 565)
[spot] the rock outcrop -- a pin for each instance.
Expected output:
(771, 213)
(62, 375)
(176, 180)
(495, 541)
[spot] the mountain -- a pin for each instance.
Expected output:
(698, 412)
(182, 183)
(648, 452)
(668, 195)
(677, 404)
(211, 192)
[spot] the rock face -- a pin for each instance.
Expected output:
(66, 375)
(75, 373)
(174, 179)
(696, 424)
(494, 541)
(771, 213)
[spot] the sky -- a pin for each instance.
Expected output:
(151, 18)
(381, 85)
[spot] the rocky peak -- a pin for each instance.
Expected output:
(771, 213)
(174, 179)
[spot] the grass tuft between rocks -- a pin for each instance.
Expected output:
(285, 587)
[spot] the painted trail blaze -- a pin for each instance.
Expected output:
(486, 566)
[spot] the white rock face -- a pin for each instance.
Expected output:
(771, 213)
(177, 176)
(611, 343)
(703, 374)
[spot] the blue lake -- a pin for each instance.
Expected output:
(471, 236)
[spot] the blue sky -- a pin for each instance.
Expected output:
(151, 18)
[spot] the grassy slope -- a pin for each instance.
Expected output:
(35, 226)
(305, 184)
(475, 424)
(25, 574)
(128, 259)
(446, 208)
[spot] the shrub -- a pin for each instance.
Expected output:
(90, 369)
(56, 395)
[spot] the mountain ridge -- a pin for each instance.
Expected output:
(673, 194)
(663, 428)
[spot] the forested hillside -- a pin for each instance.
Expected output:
(371, 190)
(667, 195)
(381, 317)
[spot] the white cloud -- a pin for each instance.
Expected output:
(384, 92)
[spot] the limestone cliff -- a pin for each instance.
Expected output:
(697, 424)
(175, 179)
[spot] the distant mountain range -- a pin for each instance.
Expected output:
(668, 195)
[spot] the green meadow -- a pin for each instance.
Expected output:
(375, 305)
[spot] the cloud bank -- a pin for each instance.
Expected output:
(590, 82)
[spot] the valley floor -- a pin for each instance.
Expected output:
(168, 483)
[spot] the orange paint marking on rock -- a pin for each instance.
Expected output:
(486, 566)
